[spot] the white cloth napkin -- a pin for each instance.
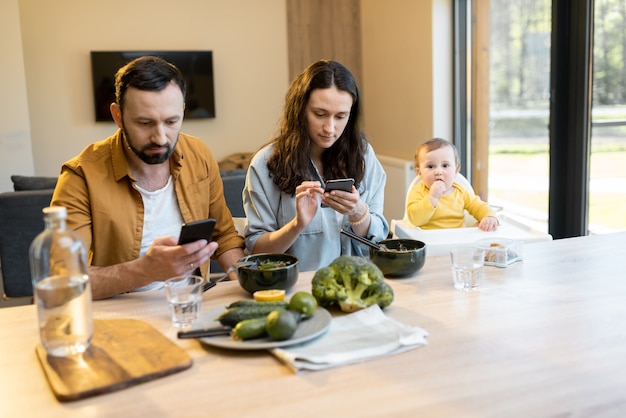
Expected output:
(353, 338)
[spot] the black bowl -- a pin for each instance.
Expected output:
(398, 263)
(257, 277)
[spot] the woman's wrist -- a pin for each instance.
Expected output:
(358, 219)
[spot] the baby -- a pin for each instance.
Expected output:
(438, 201)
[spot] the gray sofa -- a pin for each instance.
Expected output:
(233, 181)
(21, 220)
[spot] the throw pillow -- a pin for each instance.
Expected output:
(33, 183)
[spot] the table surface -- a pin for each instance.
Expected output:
(440, 241)
(542, 337)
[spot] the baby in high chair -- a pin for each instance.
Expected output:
(438, 201)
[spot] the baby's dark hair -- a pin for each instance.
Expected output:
(434, 144)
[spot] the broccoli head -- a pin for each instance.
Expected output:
(352, 283)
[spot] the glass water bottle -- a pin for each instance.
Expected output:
(58, 262)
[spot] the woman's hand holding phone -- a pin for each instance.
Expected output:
(340, 203)
(339, 184)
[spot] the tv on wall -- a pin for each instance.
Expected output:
(196, 66)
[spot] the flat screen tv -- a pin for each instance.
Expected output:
(196, 66)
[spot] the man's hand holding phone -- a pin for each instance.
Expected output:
(194, 231)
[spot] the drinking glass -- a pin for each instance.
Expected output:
(184, 294)
(467, 267)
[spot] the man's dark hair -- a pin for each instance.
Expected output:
(147, 73)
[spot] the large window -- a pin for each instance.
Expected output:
(519, 109)
(511, 143)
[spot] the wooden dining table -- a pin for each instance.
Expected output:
(543, 337)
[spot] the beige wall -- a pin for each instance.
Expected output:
(397, 74)
(249, 43)
(403, 64)
(15, 146)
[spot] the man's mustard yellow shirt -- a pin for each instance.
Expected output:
(106, 210)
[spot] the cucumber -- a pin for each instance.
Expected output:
(243, 303)
(231, 316)
(249, 328)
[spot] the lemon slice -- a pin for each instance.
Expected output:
(269, 295)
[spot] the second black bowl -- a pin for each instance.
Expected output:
(405, 256)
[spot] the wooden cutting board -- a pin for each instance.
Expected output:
(123, 352)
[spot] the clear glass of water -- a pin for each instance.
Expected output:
(467, 267)
(184, 294)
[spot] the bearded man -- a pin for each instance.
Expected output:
(128, 195)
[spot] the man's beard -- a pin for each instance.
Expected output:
(149, 158)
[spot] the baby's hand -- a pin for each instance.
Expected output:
(437, 189)
(488, 223)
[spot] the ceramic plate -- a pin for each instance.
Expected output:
(307, 330)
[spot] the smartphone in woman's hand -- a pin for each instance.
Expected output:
(339, 184)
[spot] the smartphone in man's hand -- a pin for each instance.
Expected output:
(193, 231)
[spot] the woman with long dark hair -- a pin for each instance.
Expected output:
(320, 139)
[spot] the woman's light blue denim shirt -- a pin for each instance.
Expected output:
(269, 209)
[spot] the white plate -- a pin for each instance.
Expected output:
(307, 330)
